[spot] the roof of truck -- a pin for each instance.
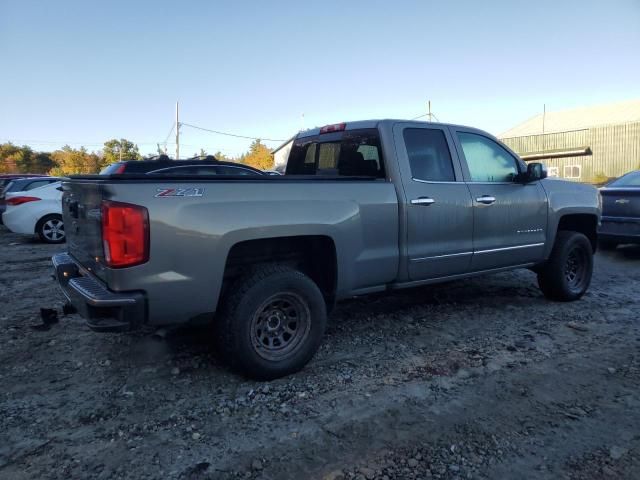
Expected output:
(359, 124)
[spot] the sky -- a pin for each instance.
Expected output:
(82, 72)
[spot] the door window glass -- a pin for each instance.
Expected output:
(429, 155)
(486, 159)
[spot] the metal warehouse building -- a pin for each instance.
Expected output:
(589, 144)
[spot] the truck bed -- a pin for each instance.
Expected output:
(192, 234)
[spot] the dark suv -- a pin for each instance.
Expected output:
(193, 166)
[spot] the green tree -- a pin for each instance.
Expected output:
(258, 156)
(223, 158)
(118, 150)
(42, 162)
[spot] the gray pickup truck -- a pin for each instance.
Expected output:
(363, 207)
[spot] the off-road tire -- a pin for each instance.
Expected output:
(44, 232)
(267, 297)
(566, 275)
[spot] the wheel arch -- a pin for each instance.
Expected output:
(314, 255)
(585, 223)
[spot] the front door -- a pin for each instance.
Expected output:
(439, 212)
(509, 217)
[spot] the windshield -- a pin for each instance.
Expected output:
(629, 180)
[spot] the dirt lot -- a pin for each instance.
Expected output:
(474, 379)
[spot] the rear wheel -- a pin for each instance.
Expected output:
(567, 274)
(50, 229)
(272, 323)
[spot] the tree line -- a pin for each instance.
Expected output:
(71, 161)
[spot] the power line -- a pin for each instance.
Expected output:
(169, 134)
(426, 115)
(231, 134)
(57, 142)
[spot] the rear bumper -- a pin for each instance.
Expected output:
(620, 229)
(104, 310)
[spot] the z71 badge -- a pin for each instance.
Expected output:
(179, 192)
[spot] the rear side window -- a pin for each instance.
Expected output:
(429, 155)
(190, 170)
(38, 183)
(352, 153)
(229, 170)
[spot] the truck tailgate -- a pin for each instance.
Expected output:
(81, 203)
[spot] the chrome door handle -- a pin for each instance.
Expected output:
(486, 199)
(423, 201)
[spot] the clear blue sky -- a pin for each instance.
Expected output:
(81, 72)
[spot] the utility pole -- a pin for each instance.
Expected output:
(177, 134)
(429, 110)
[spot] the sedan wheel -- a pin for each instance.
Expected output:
(51, 229)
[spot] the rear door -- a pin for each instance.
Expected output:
(509, 217)
(438, 202)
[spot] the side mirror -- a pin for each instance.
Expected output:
(536, 171)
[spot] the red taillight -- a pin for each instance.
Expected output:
(20, 200)
(338, 127)
(125, 234)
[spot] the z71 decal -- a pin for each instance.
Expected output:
(179, 192)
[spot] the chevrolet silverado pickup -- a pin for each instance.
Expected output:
(363, 207)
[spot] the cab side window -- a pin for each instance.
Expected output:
(487, 160)
(429, 155)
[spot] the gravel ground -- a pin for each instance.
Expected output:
(480, 378)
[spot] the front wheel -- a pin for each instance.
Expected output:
(50, 229)
(272, 322)
(567, 274)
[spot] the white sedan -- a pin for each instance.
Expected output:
(36, 211)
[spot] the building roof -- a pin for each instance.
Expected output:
(578, 119)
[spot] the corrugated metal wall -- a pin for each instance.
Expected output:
(615, 150)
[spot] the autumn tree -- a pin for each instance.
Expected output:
(14, 159)
(71, 161)
(258, 156)
(8, 157)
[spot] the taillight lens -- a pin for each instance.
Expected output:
(20, 200)
(125, 234)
